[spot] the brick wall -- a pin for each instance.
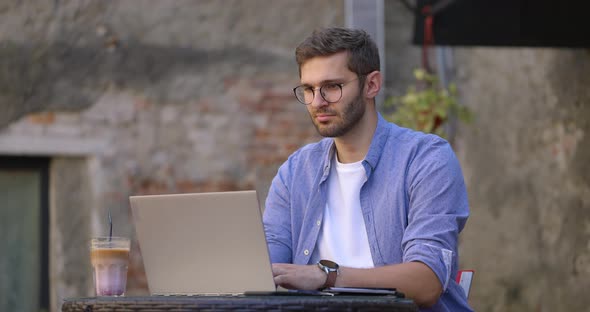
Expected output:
(196, 96)
(231, 141)
(183, 97)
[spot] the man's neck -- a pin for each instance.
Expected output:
(354, 145)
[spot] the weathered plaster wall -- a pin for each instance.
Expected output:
(64, 54)
(196, 96)
(149, 97)
(401, 56)
(525, 160)
(70, 229)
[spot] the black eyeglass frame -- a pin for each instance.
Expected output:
(340, 85)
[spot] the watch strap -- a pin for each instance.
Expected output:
(331, 269)
(330, 279)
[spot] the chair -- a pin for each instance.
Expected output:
(464, 279)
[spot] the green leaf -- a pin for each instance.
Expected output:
(426, 102)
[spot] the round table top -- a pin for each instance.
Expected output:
(240, 303)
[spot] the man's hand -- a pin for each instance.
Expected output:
(294, 276)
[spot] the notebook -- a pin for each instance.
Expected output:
(202, 243)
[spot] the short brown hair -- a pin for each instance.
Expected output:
(363, 53)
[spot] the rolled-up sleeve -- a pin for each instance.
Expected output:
(438, 209)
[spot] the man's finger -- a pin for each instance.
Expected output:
(278, 269)
(282, 268)
(278, 279)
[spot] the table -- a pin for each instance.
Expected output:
(240, 303)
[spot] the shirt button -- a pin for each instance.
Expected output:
(319, 223)
(306, 252)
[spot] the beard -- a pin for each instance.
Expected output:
(345, 120)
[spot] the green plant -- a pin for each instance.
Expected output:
(427, 106)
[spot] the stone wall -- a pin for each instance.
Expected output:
(196, 96)
(401, 56)
(63, 55)
(70, 229)
(180, 96)
(525, 160)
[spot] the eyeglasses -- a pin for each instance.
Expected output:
(330, 92)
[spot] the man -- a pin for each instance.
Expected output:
(372, 204)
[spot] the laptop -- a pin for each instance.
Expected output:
(202, 243)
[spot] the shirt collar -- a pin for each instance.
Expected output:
(373, 155)
(378, 142)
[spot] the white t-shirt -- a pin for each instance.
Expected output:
(343, 236)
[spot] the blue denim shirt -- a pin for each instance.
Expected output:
(414, 204)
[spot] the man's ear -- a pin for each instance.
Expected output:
(373, 84)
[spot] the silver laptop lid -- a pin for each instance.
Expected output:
(205, 243)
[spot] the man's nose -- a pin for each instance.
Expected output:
(318, 100)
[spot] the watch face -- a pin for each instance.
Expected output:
(329, 264)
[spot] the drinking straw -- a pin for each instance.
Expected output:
(110, 226)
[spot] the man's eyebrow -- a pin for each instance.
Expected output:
(324, 82)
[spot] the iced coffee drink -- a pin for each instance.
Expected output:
(110, 259)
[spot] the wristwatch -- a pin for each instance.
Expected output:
(331, 269)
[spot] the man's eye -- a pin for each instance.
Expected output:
(330, 87)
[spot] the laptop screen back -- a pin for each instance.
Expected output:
(205, 243)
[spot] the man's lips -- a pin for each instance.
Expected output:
(323, 117)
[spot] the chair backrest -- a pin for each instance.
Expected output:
(464, 279)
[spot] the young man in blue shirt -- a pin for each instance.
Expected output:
(372, 204)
